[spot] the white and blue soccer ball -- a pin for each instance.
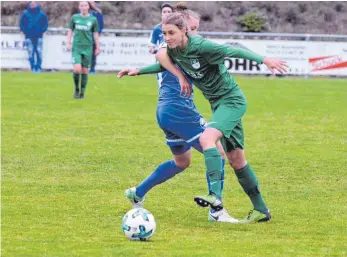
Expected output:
(138, 224)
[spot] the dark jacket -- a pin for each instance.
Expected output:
(100, 19)
(33, 22)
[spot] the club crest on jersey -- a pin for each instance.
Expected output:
(89, 23)
(195, 63)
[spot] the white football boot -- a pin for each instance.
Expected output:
(136, 202)
(221, 216)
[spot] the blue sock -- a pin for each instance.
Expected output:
(162, 173)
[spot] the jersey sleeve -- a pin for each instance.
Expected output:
(154, 68)
(215, 53)
(71, 24)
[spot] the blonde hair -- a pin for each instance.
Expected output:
(180, 16)
(194, 14)
(176, 19)
(182, 7)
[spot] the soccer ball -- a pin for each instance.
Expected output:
(138, 224)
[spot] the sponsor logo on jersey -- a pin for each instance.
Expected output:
(83, 27)
(195, 63)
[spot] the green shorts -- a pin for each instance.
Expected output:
(82, 55)
(227, 114)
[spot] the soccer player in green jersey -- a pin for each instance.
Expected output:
(181, 122)
(84, 27)
(203, 61)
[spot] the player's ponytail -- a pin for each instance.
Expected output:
(182, 8)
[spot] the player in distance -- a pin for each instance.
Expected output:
(84, 28)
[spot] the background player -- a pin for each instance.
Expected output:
(156, 38)
(84, 27)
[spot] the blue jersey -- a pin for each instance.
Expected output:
(177, 115)
(169, 86)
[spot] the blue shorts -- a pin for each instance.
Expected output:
(182, 125)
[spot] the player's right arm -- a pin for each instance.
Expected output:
(151, 69)
(69, 34)
(69, 37)
(164, 59)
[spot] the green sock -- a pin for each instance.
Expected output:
(249, 183)
(84, 82)
(213, 161)
(76, 79)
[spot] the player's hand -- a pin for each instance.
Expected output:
(69, 47)
(97, 51)
(129, 72)
(186, 88)
(275, 64)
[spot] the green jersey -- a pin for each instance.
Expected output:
(203, 61)
(83, 28)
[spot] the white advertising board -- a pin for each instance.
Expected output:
(303, 57)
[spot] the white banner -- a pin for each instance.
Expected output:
(116, 53)
(13, 51)
(294, 52)
(303, 57)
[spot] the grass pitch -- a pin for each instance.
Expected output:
(66, 163)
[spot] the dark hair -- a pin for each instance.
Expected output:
(166, 5)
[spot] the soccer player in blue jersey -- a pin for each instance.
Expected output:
(156, 38)
(182, 124)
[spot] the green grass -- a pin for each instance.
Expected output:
(66, 163)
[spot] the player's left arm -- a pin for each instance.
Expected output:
(97, 43)
(215, 54)
(96, 37)
(164, 59)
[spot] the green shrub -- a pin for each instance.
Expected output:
(252, 22)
